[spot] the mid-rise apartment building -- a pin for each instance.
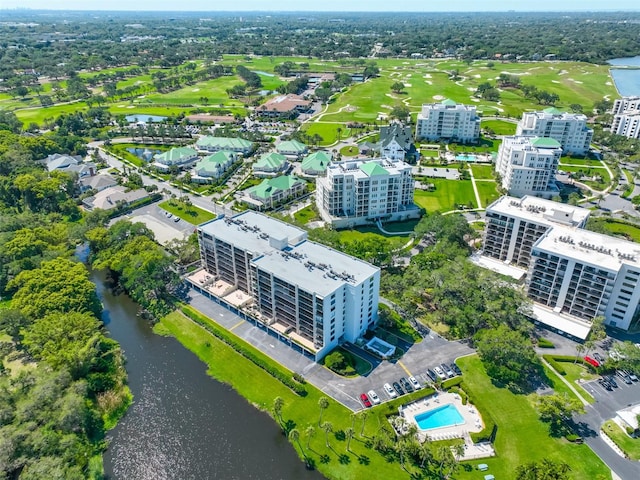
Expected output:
(528, 165)
(514, 225)
(448, 120)
(568, 129)
(626, 117)
(585, 274)
(356, 192)
(315, 296)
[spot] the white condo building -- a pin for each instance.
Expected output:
(573, 274)
(448, 120)
(569, 129)
(626, 117)
(528, 165)
(356, 192)
(312, 295)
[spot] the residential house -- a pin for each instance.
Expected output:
(176, 157)
(112, 197)
(272, 191)
(98, 182)
(291, 148)
(284, 106)
(69, 164)
(210, 144)
(213, 166)
(270, 164)
(396, 143)
(316, 164)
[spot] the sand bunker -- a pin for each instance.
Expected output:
(438, 97)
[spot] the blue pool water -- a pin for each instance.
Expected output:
(466, 158)
(444, 416)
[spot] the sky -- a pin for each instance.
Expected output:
(328, 5)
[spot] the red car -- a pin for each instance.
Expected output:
(365, 400)
(591, 361)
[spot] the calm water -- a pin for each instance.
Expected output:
(144, 118)
(439, 417)
(183, 424)
(627, 81)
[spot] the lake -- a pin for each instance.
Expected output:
(183, 424)
(144, 118)
(627, 80)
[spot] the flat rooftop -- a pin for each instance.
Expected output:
(570, 325)
(498, 267)
(316, 268)
(254, 232)
(592, 248)
(539, 210)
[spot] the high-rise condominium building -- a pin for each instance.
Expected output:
(448, 120)
(626, 117)
(569, 129)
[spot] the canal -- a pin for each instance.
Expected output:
(183, 424)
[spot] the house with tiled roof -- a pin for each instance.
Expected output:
(72, 164)
(396, 143)
(213, 166)
(291, 148)
(211, 144)
(272, 191)
(316, 164)
(270, 164)
(284, 106)
(97, 182)
(176, 157)
(112, 197)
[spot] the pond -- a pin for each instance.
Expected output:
(627, 80)
(144, 118)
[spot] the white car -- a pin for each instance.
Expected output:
(440, 373)
(415, 383)
(390, 391)
(373, 396)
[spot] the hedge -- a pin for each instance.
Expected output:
(544, 343)
(554, 361)
(452, 382)
(246, 350)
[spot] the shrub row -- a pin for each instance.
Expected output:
(544, 343)
(555, 360)
(247, 351)
(452, 382)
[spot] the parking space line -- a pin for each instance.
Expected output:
(236, 325)
(404, 368)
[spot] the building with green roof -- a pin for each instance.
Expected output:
(178, 157)
(231, 144)
(316, 163)
(272, 191)
(569, 129)
(449, 121)
(357, 192)
(270, 164)
(292, 148)
(213, 166)
(528, 165)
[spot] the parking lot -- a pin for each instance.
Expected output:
(164, 228)
(616, 398)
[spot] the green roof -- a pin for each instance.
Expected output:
(448, 102)
(215, 161)
(270, 186)
(553, 111)
(373, 169)
(270, 161)
(317, 161)
(544, 142)
(224, 143)
(175, 155)
(291, 146)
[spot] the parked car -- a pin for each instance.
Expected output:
(456, 369)
(591, 361)
(632, 375)
(604, 384)
(624, 376)
(176, 219)
(440, 373)
(432, 375)
(598, 357)
(365, 400)
(374, 397)
(169, 214)
(398, 388)
(612, 381)
(414, 383)
(447, 370)
(406, 385)
(390, 391)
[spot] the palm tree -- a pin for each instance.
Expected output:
(363, 415)
(294, 436)
(458, 451)
(309, 432)
(350, 432)
(278, 403)
(580, 348)
(327, 428)
(353, 415)
(323, 403)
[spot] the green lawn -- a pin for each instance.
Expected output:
(521, 436)
(482, 172)
(575, 372)
(192, 214)
(587, 162)
(229, 367)
(305, 215)
(630, 446)
(449, 194)
(488, 192)
(328, 131)
(632, 232)
(364, 233)
(349, 151)
(500, 127)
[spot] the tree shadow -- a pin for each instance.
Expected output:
(288, 425)
(344, 459)
(364, 460)
(340, 435)
(324, 458)
(584, 430)
(310, 463)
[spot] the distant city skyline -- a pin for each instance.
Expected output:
(327, 5)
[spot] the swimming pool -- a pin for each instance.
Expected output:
(444, 416)
(466, 158)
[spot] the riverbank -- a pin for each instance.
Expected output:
(360, 460)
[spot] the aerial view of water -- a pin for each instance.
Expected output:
(144, 118)
(183, 424)
(627, 80)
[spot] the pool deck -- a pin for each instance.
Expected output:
(472, 424)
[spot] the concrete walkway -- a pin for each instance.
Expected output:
(566, 382)
(475, 188)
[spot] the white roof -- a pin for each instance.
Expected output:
(539, 210)
(602, 251)
(564, 323)
(499, 267)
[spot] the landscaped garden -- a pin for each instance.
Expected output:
(186, 211)
(448, 195)
(630, 446)
(499, 127)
